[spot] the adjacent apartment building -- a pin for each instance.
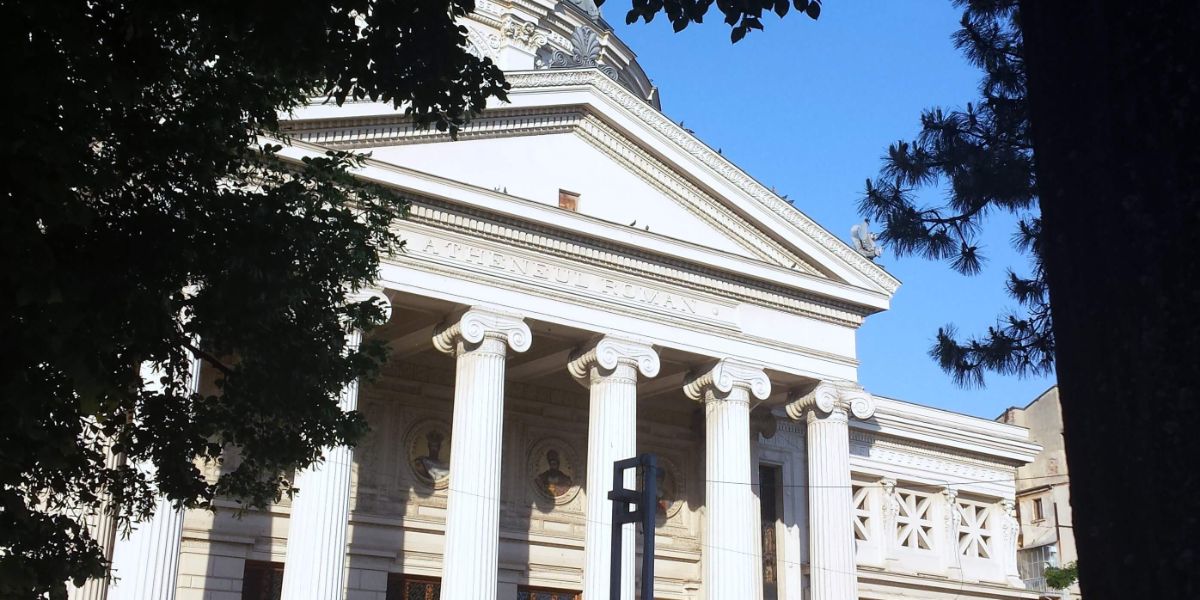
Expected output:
(1043, 496)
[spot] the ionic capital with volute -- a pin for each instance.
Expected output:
(724, 378)
(603, 356)
(827, 398)
(373, 294)
(354, 335)
(478, 324)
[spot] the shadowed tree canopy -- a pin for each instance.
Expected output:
(131, 171)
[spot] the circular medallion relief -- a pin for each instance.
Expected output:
(668, 490)
(428, 444)
(553, 470)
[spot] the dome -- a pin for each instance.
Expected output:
(524, 35)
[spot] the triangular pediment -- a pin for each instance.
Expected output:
(631, 166)
(610, 187)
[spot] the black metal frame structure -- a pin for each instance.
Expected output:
(644, 502)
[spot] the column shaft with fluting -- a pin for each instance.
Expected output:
(732, 554)
(315, 566)
(102, 526)
(829, 501)
(826, 409)
(609, 368)
(479, 341)
(145, 565)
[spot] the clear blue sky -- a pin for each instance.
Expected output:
(808, 108)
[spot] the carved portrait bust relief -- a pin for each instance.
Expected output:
(552, 468)
(428, 444)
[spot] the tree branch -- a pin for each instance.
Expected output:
(212, 360)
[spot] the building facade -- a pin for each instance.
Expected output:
(1044, 496)
(584, 280)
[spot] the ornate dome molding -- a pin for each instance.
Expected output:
(524, 35)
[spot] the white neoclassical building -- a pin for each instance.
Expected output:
(584, 280)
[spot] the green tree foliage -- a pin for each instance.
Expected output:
(1061, 578)
(131, 170)
(983, 157)
(740, 15)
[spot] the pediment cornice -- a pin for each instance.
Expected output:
(502, 123)
(367, 128)
(688, 143)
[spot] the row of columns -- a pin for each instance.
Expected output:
(609, 367)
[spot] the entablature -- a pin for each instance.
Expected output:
(1008, 444)
(434, 242)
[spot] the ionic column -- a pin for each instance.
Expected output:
(609, 367)
(315, 566)
(102, 527)
(732, 558)
(831, 527)
(479, 341)
(145, 565)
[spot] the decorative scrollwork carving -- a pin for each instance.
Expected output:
(522, 33)
(823, 397)
(477, 323)
(609, 351)
(585, 52)
(826, 397)
(727, 375)
(373, 294)
(862, 404)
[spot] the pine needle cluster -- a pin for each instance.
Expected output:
(982, 157)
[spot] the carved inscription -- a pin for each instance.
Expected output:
(566, 277)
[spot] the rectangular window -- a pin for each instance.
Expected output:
(568, 200)
(409, 587)
(1039, 510)
(769, 500)
(530, 593)
(1032, 563)
(262, 580)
